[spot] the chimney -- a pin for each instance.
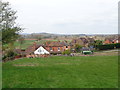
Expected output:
(34, 45)
(46, 43)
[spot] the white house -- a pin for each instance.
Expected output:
(41, 50)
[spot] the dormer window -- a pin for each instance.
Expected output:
(39, 51)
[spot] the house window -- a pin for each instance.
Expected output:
(39, 51)
(51, 49)
(58, 48)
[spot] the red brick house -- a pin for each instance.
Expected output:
(82, 41)
(108, 41)
(111, 40)
(78, 41)
(116, 41)
(56, 47)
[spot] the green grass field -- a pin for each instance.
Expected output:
(26, 44)
(62, 72)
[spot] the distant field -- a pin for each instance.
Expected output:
(62, 72)
(25, 44)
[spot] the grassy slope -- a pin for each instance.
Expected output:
(25, 44)
(62, 72)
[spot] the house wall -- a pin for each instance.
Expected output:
(55, 49)
(66, 48)
(109, 42)
(116, 41)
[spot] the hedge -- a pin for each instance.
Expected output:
(107, 46)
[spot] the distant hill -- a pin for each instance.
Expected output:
(44, 35)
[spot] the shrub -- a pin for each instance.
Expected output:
(78, 47)
(9, 55)
(108, 46)
(117, 45)
(66, 52)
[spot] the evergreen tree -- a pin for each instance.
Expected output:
(9, 29)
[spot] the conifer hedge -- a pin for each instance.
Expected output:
(108, 46)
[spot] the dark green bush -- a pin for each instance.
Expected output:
(66, 52)
(9, 55)
(78, 47)
(107, 46)
(117, 45)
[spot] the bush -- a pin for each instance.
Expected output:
(78, 47)
(9, 55)
(117, 45)
(66, 52)
(107, 46)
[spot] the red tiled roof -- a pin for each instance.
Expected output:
(32, 48)
(19, 51)
(56, 44)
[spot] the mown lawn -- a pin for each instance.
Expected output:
(62, 72)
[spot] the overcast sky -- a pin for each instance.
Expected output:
(67, 16)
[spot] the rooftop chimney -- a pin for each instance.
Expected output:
(34, 45)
